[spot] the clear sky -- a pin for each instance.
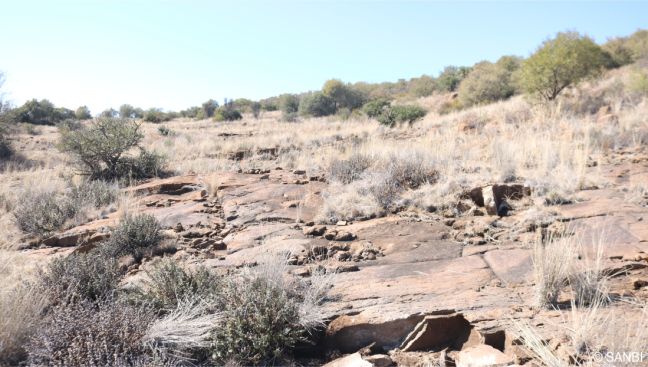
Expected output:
(174, 54)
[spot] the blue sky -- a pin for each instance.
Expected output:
(175, 54)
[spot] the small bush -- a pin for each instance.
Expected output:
(101, 149)
(77, 277)
(349, 170)
(134, 235)
(169, 285)
(91, 334)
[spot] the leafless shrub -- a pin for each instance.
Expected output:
(77, 277)
(91, 334)
(351, 169)
(21, 310)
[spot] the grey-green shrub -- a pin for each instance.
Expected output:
(260, 324)
(41, 213)
(134, 235)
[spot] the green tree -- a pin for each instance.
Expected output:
(83, 113)
(489, 82)
(343, 95)
(450, 77)
(208, 108)
(559, 63)
(289, 103)
(316, 105)
(109, 113)
(127, 111)
(41, 112)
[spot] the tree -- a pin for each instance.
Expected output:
(559, 63)
(342, 94)
(450, 77)
(111, 112)
(127, 111)
(288, 103)
(83, 113)
(489, 82)
(41, 112)
(316, 105)
(101, 149)
(208, 108)
(255, 107)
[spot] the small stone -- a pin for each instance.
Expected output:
(341, 223)
(639, 283)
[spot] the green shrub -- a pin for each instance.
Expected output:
(155, 115)
(375, 108)
(401, 114)
(134, 235)
(91, 334)
(316, 105)
(78, 277)
(109, 113)
(227, 114)
(559, 63)
(349, 170)
(101, 149)
(488, 82)
(169, 284)
(290, 117)
(82, 113)
(260, 324)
